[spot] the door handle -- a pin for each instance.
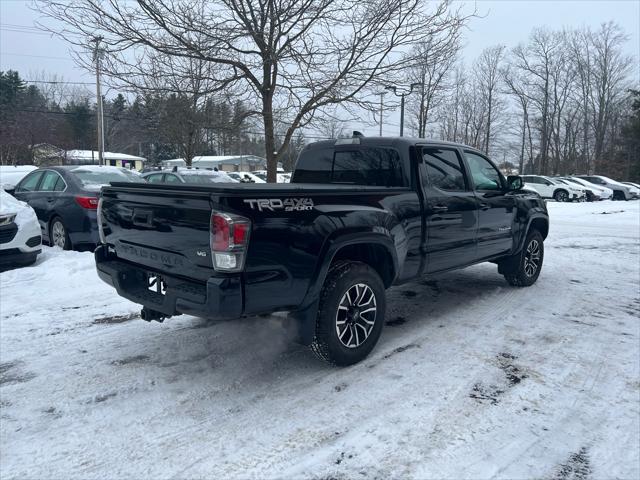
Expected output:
(484, 206)
(50, 199)
(439, 208)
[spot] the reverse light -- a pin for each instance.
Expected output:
(229, 238)
(101, 235)
(90, 203)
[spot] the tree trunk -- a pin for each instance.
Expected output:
(269, 139)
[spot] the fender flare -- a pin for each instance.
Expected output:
(306, 315)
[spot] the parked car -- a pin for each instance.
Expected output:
(65, 199)
(584, 195)
(10, 175)
(358, 216)
(247, 177)
(634, 189)
(20, 239)
(620, 190)
(550, 188)
(599, 192)
(189, 175)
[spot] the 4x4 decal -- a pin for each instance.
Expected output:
(286, 204)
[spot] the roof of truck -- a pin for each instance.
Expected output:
(388, 141)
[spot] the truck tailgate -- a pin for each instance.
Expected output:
(164, 230)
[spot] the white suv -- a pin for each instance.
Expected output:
(550, 188)
(620, 190)
(599, 192)
(20, 237)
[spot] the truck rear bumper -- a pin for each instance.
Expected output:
(219, 297)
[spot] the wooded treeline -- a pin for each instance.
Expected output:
(562, 102)
(256, 78)
(156, 126)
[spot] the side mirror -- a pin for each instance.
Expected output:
(515, 182)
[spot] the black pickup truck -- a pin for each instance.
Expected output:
(359, 216)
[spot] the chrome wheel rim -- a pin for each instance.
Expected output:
(58, 234)
(356, 315)
(532, 258)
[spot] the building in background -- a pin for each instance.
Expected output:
(227, 163)
(46, 154)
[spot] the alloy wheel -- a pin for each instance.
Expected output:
(59, 236)
(356, 315)
(532, 258)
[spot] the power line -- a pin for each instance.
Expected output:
(53, 82)
(48, 57)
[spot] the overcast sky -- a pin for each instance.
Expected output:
(27, 50)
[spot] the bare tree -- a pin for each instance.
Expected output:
(487, 68)
(434, 58)
(294, 56)
(610, 70)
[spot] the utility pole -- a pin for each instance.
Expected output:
(382, 94)
(99, 113)
(402, 94)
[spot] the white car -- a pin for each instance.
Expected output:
(246, 177)
(10, 175)
(599, 192)
(635, 189)
(550, 188)
(620, 190)
(20, 238)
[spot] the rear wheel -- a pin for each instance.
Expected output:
(58, 235)
(561, 196)
(523, 269)
(350, 314)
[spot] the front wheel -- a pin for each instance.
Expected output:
(561, 196)
(350, 314)
(523, 269)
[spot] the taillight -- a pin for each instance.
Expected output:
(229, 239)
(101, 235)
(90, 203)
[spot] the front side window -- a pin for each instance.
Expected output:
(483, 174)
(30, 182)
(444, 168)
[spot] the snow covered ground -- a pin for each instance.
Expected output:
(471, 378)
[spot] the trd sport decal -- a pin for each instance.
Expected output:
(287, 204)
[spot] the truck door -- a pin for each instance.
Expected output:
(496, 207)
(451, 209)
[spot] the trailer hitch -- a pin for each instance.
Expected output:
(149, 315)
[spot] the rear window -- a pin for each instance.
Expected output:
(380, 167)
(91, 177)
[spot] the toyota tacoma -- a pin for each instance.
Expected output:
(360, 215)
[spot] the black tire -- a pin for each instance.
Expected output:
(561, 196)
(618, 195)
(343, 288)
(519, 269)
(61, 236)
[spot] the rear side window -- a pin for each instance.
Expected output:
(444, 168)
(155, 178)
(30, 182)
(380, 167)
(50, 181)
(169, 178)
